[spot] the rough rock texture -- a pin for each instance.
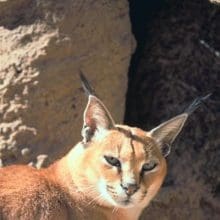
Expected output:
(181, 61)
(43, 45)
(215, 1)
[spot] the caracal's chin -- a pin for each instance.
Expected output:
(118, 198)
(124, 201)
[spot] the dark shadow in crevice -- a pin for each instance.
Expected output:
(176, 61)
(142, 12)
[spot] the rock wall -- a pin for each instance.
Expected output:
(43, 45)
(180, 61)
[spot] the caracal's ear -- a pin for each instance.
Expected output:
(166, 132)
(97, 118)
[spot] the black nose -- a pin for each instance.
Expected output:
(129, 188)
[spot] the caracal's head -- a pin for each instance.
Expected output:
(123, 166)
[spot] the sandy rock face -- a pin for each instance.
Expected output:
(43, 45)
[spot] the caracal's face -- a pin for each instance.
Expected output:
(120, 166)
(117, 165)
(125, 166)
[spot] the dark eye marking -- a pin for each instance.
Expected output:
(149, 166)
(113, 161)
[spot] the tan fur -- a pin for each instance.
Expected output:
(83, 184)
(64, 190)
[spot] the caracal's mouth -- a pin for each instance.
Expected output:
(126, 203)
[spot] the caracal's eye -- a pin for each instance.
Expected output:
(113, 161)
(149, 166)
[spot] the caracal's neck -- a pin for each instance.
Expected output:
(125, 214)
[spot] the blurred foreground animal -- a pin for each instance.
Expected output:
(113, 173)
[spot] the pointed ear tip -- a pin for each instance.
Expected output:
(180, 117)
(178, 120)
(183, 115)
(93, 98)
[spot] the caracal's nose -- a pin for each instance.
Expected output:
(130, 189)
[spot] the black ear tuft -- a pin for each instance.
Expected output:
(86, 85)
(196, 103)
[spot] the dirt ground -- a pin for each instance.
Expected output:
(177, 60)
